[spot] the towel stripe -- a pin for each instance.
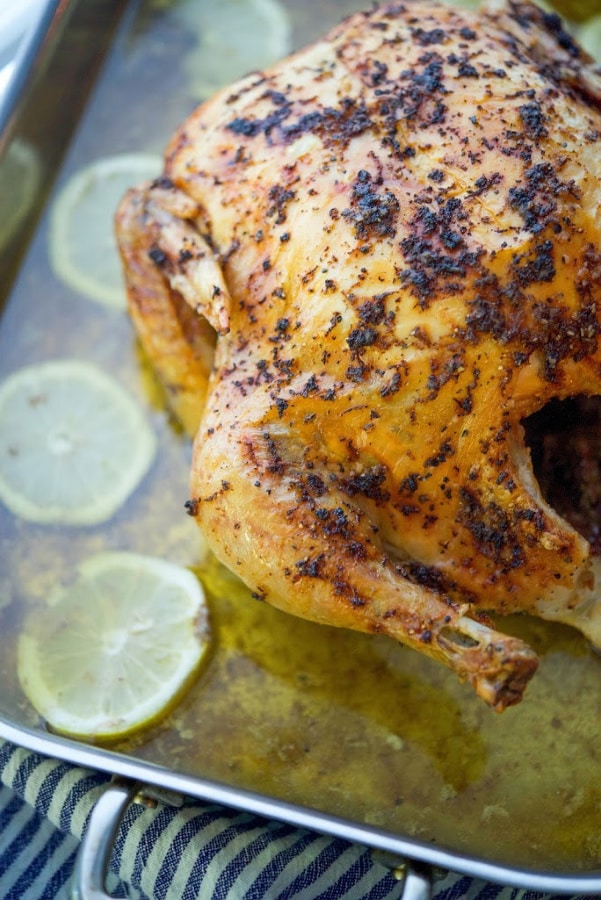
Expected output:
(172, 845)
(238, 873)
(284, 855)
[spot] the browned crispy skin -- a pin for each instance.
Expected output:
(394, 235)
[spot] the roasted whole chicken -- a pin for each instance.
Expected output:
(360, 273)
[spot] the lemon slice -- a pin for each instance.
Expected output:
(234, 37)
(117, 648)
(589, 37)
(83, 249)
(73, 444)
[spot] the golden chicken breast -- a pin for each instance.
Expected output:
(360, 273)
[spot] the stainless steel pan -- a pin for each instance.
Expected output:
(345, 734)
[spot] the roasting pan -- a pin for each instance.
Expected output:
(345, 734)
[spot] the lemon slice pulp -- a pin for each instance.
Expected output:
(589, 37)
(117, 648)
(83, 249)
(234, 37)
(73, 444)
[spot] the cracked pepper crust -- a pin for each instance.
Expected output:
(360, 271)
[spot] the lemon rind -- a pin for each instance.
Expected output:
(142, 449)
(140, 166)
(191, 655)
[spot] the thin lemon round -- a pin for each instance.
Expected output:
(116, 649)
(83, 250)
(73, 444)
(234, 37)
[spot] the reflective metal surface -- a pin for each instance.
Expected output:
(323, 730)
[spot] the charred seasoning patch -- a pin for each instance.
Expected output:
(505, 310)
(250, 128)
(372, 213)
(334, 125)
(279, 197)
(372, 311)
(392, 386)
(409, 484)
(336, 523)
(536, 198)
(343, 589)
(369, 483)
(551, 329)
(311, 567)
(375, 72)
(158, 256)
(588, 280)
(418, 99)
(535, 266)
(427, 38)
(495, 309)
(275, 463)
(442, 372)
(309, 488)
(491, 529)
(465, 69)
(429, 577)
(435, 251)
(534, 120)
(333, 523)
(316, 485)
(445, 450)
(559, 335)
(362, 337)
(485, 183)
(191, 507)
(415, 99)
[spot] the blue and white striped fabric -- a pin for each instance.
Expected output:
(197, 851)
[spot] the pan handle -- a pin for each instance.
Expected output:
(417, 883)
(417, 877)
(91, 865)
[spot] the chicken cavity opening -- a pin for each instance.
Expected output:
(564, 438)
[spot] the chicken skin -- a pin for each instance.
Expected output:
(360, 272)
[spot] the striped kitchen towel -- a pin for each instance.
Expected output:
(200, 850)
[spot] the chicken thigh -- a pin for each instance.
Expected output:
(360, 272)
